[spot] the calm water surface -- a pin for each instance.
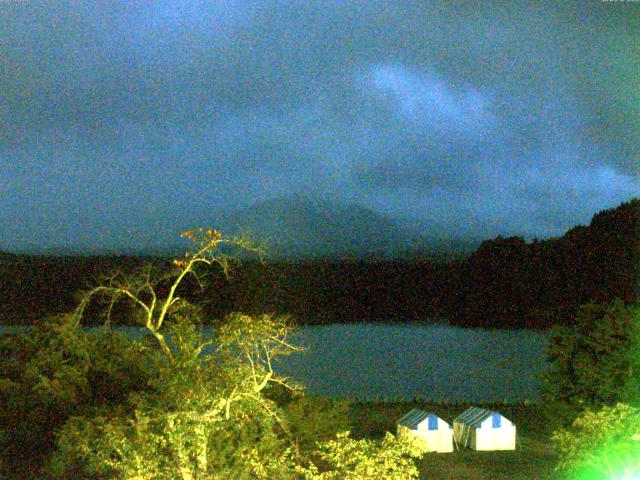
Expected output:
(408, 361)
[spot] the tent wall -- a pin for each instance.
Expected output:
(439, 440)
(503, 438)
(486, 437)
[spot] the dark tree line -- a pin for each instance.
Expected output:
(508, 282)
(505, 283)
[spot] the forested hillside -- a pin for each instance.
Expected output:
(506, 282)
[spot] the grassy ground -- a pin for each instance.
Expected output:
(533, 458)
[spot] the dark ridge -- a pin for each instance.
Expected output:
(504, 283)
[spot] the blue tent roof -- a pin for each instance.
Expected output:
(414, 418)
(474, 416)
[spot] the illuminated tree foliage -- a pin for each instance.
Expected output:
(203, 414)
(595, 369)
(348, 459)
(57, 370)
(601, 444)
(210, 408)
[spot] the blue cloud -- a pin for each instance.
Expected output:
(481, 120)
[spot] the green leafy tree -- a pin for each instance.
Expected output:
(206, 413)
(204, 417)
(601, 443)
(54, 371)
(187, 427)
(593, 363)
(205, 408)
(595, 369)
(316, 419)
(345, 458)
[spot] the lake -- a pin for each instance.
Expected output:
(440, 362)
(428, 361)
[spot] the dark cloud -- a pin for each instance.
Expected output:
(499, 117)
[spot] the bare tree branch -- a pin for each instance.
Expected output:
(141, 287)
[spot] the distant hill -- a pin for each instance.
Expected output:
(293, 227)
(297, 226)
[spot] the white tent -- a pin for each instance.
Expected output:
(427, 430)
(482, 429)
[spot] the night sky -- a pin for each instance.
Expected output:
(123, 122)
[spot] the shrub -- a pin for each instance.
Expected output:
(595, 363)
(347, 459)
(600, 444)
(57, 370)
(314, 419)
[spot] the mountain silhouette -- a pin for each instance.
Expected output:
(298, 226)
